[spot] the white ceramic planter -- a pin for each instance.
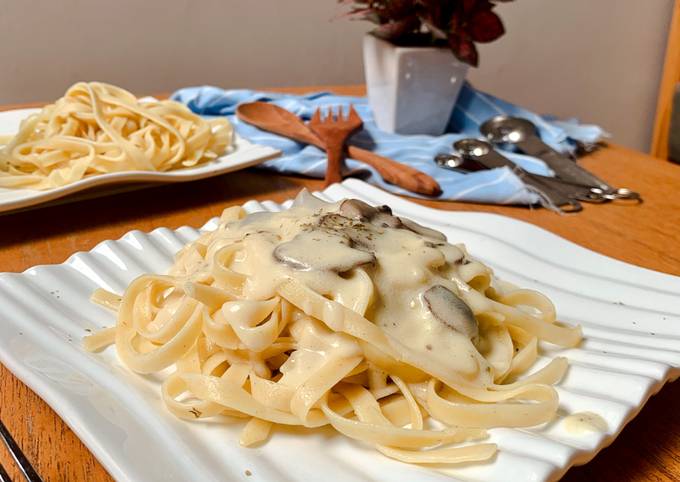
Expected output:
(411, 90)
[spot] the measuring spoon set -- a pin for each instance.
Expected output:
(571, 185)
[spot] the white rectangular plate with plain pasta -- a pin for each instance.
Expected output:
(243, 154)
(630, 318)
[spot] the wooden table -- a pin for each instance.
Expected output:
(645, 235)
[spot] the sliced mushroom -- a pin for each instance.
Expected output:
(386, 219)
(355, 209)
(448, 308)
(422, 230)
(380, 216)
(322, 250)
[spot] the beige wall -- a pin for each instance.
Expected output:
(599, 60)
(160, 45)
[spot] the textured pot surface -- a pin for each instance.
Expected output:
(411, 90)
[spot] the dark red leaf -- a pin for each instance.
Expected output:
(455, 21)
(469, 5)
(485, 26)
(464, 49)
(398, 9)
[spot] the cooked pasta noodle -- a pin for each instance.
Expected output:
(98, 128)
(343, 315)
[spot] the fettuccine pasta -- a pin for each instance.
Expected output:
(343, 315)
(98, 128)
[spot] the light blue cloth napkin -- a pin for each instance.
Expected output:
(497, 186)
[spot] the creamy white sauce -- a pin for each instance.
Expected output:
(322, 245)
(318, 346)
(583, 422)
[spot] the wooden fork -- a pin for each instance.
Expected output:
(334, 132)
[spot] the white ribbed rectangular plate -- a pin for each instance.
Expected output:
(630, 317)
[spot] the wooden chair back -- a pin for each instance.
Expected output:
(669, 80)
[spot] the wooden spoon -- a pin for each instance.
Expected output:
(272, 118)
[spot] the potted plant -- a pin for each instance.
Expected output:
(416, 59)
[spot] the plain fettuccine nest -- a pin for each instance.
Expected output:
(98, 128)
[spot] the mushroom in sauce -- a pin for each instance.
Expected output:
(422, 230)
(382, 216)
(448, 308)
(355, 209)
(324, 250)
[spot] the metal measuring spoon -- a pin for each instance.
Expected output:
(522, 134)
(452, 161)
(484, 153)
(455, 162)
(576, 192)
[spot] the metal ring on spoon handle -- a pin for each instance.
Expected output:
(620, 194)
